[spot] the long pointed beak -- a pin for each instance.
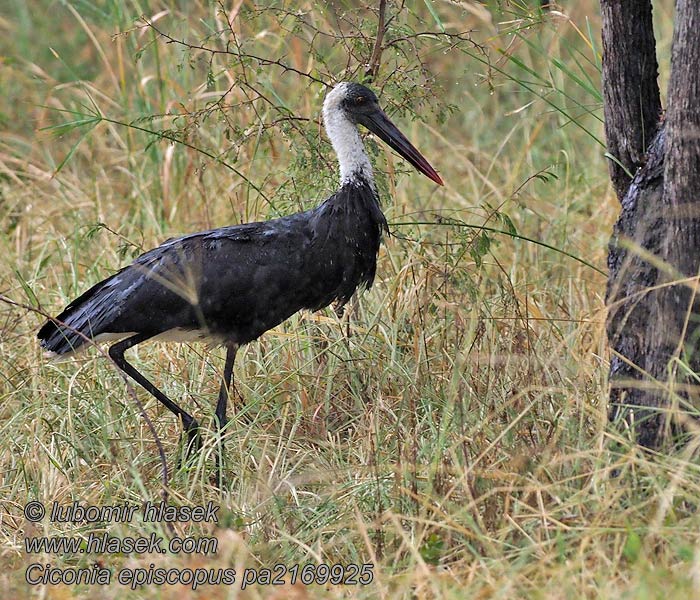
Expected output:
(380, 124)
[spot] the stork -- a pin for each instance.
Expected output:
(230, 285)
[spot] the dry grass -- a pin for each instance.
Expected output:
(457, 438)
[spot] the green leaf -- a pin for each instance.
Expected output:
(432, 549)
(28, 292)
(633, 546)
(433, 13)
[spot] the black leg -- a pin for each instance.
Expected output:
(221, 405)
(189, 423)
(225, 387)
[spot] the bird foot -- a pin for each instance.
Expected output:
(194, 441)
(193, 444)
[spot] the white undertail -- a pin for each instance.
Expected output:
(345, 137)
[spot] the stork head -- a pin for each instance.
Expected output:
(359, 105)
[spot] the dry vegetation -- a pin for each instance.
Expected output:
(452, 430)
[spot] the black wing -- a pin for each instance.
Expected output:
(209, 282)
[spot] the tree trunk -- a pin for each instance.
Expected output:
(632, 104)
(631, 307)
(653, 323)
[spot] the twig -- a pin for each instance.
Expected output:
(373, 67)
(264, 61)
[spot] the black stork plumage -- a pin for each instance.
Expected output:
(230, 285)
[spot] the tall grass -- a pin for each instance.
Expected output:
(451, 427)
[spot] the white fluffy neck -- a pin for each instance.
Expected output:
(345, 138)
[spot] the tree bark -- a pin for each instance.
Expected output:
(632, 109)
(674, 347)
(636, 236)
(652, 321)
(632, 104)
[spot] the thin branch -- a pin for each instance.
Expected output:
(263, 61)
(374, 61)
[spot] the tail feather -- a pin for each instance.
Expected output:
(83, 318)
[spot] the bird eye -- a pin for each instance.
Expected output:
(360, 100)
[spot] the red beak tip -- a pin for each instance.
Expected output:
(436, 178)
